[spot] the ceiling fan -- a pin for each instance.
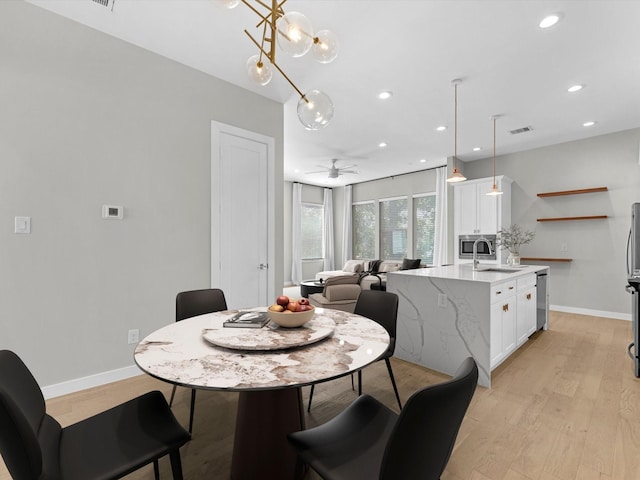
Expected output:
(333, 171)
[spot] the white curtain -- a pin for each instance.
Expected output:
(296, 235)
(440, 237)
(347, 246)
(328, 229)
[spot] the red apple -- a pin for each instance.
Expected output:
(301, 308)
(293, 306)
(283, 300)
(303, 301)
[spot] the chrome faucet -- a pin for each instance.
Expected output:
(476, 262)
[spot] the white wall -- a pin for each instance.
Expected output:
(596, 277)
(87, 120)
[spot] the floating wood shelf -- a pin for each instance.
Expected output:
(546, 259)
(563, 219)
(573, 192)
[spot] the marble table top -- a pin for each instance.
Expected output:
(179, 354)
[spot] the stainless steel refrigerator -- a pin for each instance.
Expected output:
(633, 283)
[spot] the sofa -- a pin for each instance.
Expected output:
(376, 276)
(339, 293)
(352, 267)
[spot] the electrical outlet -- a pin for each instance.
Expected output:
(564, 247)
(133, 336)
(442, 300)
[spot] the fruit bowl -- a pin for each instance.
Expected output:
(289, 319)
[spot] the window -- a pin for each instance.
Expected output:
(424, 225)
(312, 226)
(394, 219)
(363, 219)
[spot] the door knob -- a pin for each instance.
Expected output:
(263, 266)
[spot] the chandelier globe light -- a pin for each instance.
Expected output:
(494, 190)
(259, 71)
(456, 176)
(315, 110)
(293, 34)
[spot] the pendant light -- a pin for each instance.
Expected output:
(494, 190)
(455, 176)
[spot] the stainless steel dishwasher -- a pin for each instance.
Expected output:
(542, 300)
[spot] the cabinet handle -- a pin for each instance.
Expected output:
(499, 292)
(510, 288)
(505, 307)
(528, 296)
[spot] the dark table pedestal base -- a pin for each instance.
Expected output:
(260, 447)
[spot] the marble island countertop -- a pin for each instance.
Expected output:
(490, 273)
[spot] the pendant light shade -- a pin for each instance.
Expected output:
(494, 190)
(456, 175)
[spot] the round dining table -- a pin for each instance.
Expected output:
(268, 366)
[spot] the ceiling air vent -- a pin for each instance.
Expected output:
(104, 3)
(517, 130)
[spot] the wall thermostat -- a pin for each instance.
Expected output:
(113, 211)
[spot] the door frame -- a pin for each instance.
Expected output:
(217, 129)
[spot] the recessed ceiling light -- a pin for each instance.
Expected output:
(549, 21)
(441, 128)
(385, 95)
(423, 160)
(297, 170)
(476, 149)
(575, 88)
(382, 144)
(589, 124)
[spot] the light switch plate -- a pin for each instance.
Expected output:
(113, 211)
(22, 225)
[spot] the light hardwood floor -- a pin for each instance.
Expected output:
(565, 406)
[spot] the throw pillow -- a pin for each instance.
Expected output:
(352, 266)
(373, 266)
(409, 264)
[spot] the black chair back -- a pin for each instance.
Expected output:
(381, 307)
(425, 433)
(198, 302)
(24, 424)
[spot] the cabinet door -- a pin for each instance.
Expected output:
(466, 209)
(508, 310)
(526, 315)
(487, 208)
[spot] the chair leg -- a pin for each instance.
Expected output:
(176, 464)
(156, 470)
(359, 383)
(352, 384)
(310, 397)
(173, 394)
(393, 381)
(193, 406)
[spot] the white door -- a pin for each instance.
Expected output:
(241, 215)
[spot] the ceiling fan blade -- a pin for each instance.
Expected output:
(347, 166)
(317, 171)
(349, 171)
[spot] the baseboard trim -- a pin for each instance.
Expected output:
(590, 312)
(91, 381)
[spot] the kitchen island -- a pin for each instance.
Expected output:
(448, 313)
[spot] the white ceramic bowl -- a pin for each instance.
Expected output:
(291, 319)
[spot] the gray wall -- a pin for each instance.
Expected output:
(87, 120)
(595, 279)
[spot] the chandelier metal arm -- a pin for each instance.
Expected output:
(277, 67)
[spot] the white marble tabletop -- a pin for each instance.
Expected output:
(178, 353)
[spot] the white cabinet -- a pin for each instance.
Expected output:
(503, 322)
(475, 212)
(526, 308)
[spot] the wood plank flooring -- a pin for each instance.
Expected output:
(565, 406)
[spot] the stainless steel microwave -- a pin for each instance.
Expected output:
(465, 247)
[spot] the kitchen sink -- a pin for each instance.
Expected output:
(493, 268)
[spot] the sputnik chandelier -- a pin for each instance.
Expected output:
(294, 35)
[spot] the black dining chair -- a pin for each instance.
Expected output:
(381, 307)
(192, 303)
(108, 445)
(368, 440)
